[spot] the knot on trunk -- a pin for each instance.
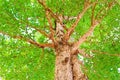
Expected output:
(64, 62)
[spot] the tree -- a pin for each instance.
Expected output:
(54, 24)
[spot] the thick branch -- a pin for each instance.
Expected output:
(29, 40)
(84, 37)
(70, 30)
(94, 23)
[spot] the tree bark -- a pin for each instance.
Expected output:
(67, 66)
(77, 71)
(63, 67)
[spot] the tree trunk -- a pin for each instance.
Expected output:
(67, 66)
(63, 67)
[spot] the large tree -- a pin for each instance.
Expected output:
(72, 29)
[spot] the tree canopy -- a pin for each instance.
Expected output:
(21, 20)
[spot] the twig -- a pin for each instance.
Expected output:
(100, 52)
(23, 22)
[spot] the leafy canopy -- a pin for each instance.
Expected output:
(20, 60)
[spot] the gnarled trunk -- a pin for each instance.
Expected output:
(67, 66)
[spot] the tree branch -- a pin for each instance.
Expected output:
(28, 25)
(42, 2)
(92, 16)
(41, 31)
(51, 27)
(39, 44)
(29, 40)
(101, 52)
(94, 23)
(70, 30)
(48, 11)
(103, 12)
(84, 37)
(55, 16)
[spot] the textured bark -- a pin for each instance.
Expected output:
(63, 67)
(77, 71)
(67, 66)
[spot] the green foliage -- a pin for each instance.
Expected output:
(21, 61)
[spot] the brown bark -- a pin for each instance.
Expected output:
(63, 67)
(77, 71)
(67, 66)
